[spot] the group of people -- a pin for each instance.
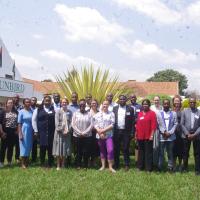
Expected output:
(87, 130)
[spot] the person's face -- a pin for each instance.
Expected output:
(133, 99)
(192, 103)
(177, 103)
(16, 100)
(156, 101)
(145, 106)
(64, 103)
(105, 106)
(109, 97)
(56, 98)
(47, 102)
(74, 98)
(122, 101)
(9, 104)
(27, 103)
(33, 101)
(88, 99)
(94, 105)
(82, 106)
(166, 105)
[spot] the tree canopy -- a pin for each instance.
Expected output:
(170, 75)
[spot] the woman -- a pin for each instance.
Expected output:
(44, 126)
(62, 137)
(94, 148)
(104, 121)
(8, 129)
(156, 139)
(82, 124)
(145, 128)
(178, 144)
(25, 132)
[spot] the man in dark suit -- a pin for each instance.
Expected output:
(190, 122)
(123, 130)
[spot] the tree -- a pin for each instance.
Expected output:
(89, 81)
(170, 75)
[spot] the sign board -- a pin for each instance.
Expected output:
(10, 88)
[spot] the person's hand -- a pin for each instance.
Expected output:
(102, 136)
(21, 136)
(191, 136)
(151, 138)
(3, 135)
(35, 135)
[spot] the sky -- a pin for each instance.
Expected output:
(132, 38)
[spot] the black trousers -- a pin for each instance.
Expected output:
(145, 155)
(34, 150)
(94, 151)
(17, 151)
(83, 150)
(7, 144)
(43, 150)
(121, 137)
(196, 150)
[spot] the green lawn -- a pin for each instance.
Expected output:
(39, 183)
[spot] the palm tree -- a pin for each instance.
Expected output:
(88, 81)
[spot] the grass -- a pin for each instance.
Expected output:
(38, 183)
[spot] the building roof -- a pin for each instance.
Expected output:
(146, 88)
(141, 89)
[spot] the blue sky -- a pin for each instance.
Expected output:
(133, 38)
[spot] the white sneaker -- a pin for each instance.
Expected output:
(1, 165)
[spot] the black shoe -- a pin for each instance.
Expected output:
(197, 173)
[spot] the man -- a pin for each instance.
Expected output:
(56, 101)
(34, 147)
(18, 107)
(167, 126)
(190, 122)
(137, 108)
(123, 127)
(88, 99)
(73, 106)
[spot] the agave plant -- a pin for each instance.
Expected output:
(89, 81)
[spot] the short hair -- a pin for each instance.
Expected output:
(122, 95)
(166, 100)
(25, 99)
(147, 101)
(81, 100)
(157, 96)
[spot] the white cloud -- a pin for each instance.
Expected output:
(37, 36)
(83, 23)
(161, 13)
(151, 52)
(25, 61)
(61, 56)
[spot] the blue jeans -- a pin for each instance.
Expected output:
(168, 145)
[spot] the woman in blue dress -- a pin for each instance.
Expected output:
(25, 132)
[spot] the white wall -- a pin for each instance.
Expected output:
(7, 64)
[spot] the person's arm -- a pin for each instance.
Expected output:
(89, 127)
(171, 132)
(34, 120)
(58, 123)
(185, 131)
(74, 125)
(153, 125)
(20, 117)
(110, 127)
(160, 123)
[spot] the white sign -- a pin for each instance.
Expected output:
(10, 88)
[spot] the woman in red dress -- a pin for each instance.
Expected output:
(145, 128)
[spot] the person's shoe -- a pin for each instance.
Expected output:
(102, 168)
(197, 173)
(126, 169)
(112, 170)
(58, 168)
(1, 165)
(17, 161)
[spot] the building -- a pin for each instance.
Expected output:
(11, 82)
